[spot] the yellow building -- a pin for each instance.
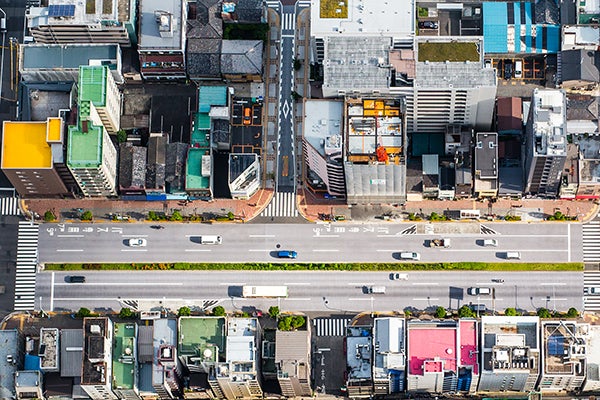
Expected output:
(32, 157)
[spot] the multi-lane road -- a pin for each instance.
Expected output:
(314, 243)
(334, 291)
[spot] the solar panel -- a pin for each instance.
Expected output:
(61, 10)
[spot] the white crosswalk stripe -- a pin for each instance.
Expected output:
(27, 258)
(591, 279)
(9, 206)
(288, 21)
(283, 204)
(591, 241)
(331, 326)
(303, 3)
(274, 4)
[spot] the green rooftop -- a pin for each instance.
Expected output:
(199, 334)
(201, 130)
(123, 356)
(211, 96)
(334, 9)
(448, 51)
(84, 148)
(193, 173)
(92, 84)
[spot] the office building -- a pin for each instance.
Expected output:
(389, 355)
(125, 361)
(545, 142)
(97, 373)
(293, 362)
(486, 165)
(29, 384)
(97, 86)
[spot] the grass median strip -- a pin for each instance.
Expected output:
(467, 266)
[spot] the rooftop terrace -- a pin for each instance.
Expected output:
(431, 347)
(124, 356)
(198, 334)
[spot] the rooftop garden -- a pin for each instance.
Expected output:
(334, 9)
(448, 51)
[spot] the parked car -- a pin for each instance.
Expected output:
(479, 291)
(428, 24)
(75, 279)
(137, 242)
(508, 70)
(287, 254)
(247, 115)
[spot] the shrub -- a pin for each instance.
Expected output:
(273, 312)
(121, 136)
(152, 216)
(543, 313)
(126, 313)
(297, 64)
(87, 216)
(285, 323)
(437, 217)
(176, 216)
(511, 312)
(413, 217)
(440, 312)
(83, 313)
(184, 311)
(230, 216)
(572, 313)
(512, 218)
(423, 12)
(49, 216)
(298, 321)
(465, 312)
(219, 311)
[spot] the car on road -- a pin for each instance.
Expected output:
(397, 276)
(287, 254)
(490, 243)
(137, 242)
(374, 289)
(410, 255)
(428, 25)
(157, 227)
(75, 279)
(479, 291)
(594, 290)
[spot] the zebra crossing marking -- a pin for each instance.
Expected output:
(9, 206)
(303, 3)
(331, 326)
(283, 204)
(27, 257)
(591, 279)
(274, 4)
(591, 241)
(288, 21)
(484, 230)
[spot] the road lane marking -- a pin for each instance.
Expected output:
(67, 236)
(360, 284)
(261, 236)
(325, 250)
(198, 250)
(297, 283)
(232, 283)
(52, 292)
(296, 298)
(387, 251)
(552, 299)
(426, 299)
(67, 250)
(361, 298)
(504, 251)
(260, 250)
(126, 284)
(425, 283)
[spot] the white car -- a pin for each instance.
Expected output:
(137, 242)
(592, 290)
(490, 243)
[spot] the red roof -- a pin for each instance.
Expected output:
(430, 348)
(468, 344)
(510, 114)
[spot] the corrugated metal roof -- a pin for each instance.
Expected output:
(211, 96)
(71, 360)
(144, 340)
(293, 345)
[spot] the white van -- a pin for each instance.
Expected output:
(490, 243)
(410, 256)
(518, 69)
(377, 289)
(513, 255)
(210, 239)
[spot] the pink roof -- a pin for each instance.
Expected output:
(425, 344)
(468, 345)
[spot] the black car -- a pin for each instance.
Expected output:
(428, 25)
(75, 279)
(508, 70)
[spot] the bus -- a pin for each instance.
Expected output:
(264, 291)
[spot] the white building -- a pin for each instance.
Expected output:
(96, 377)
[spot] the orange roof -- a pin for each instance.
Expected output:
(26, 144)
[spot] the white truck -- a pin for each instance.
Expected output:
(264, 291)
(439, 243)
(211, 239)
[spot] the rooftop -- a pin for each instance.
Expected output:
(469, 343)
(96, 350)
(77, 12)
(432, 347)
(292, 349)
(92, 84)
(198, 169)
(549, 122)
(161, 23)
(323, 125)
(440, 75)
(132, 166)
(28, 379)
(453, 51)
(202, 337)
(509, 114)
(71, 352)
(32, 138)
(85, 147)
(358, 353)
(49, 348)
(9, 360)
(68, 56)
(242, 57)
(580, 37)
(565, 347)
(362, 18)
(165, 334)
(390, 348)
(486, 155)
(124, 356)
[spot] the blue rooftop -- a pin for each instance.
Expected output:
(211, 96)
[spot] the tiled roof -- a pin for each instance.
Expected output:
(241, 57)
(203, 57)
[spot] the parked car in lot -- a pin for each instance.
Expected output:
(428, 25)
(287, 254)
(479, 291)
(508, 70)
(137, 242)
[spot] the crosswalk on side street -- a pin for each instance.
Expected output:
(331, 326)
(283, 204)
(9, 206)
(591, 301)
(591, 241)
(27, 260)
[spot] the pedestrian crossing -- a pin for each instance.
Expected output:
(9, 206)
(591, 279)
(303, 3)
(283, 204)
(331, 326)
(591, 241)
(27, 260)
(274, 4)
(288, 21)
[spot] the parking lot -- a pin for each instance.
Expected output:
(532, 69)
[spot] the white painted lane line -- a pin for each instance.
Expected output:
(297, 283)
(552, 284)
(425, 283)
(192, 250)
(141, 236)
(69, 250)
(327, 236)
(386, 250)
(67, 236)
(126, 284)
(426, 298)
(52, 292)
(261, 236)
(360, 298)
(360, 284)
(325, 250)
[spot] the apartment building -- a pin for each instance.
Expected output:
(293, 362)
(92, 21)
(97, 86)
(389, 355)
(510, 353)
(166, 367)
(96, 376)
(39, 174)
(125, 361)
(359, 362)
(486, 165)
(29, 384)
(545, 142)
(162, 39)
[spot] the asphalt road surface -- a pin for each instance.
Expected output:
(332, 291)
(338, 242)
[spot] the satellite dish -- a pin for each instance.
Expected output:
(207, 353)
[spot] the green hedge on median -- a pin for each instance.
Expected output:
(469, 266)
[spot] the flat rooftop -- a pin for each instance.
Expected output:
(362, 17)
(9, 350)
(165, 333)
(431, 348)
(92, 84)
(549, 122)
(194, 178)
(77, 12)
(31, 138)
(67, 56)
(323, 124)
(241, 338)
(486, 155)
(196, 334)
(454, 51)
(161, 25)
(84, 149)
(441, 75)
(124, 355)
(469, 344)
